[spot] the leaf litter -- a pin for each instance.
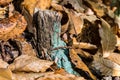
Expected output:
(38, 37)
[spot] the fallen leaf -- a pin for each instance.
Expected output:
(90, 18)
(108, 39)
(57, 6)
(107, 66)
(30, 64)
(5, 2)
(12, 27)
(25, 47)
(45, 76)
(76, 23)
(76, 4)
(28, 76)
(60, 75)
(115, 57)
(118, 41)
(82, 45)
(32, 4)
(76, 60)
(5, 74)
(83, 53)
(96, 7)
(3, 64)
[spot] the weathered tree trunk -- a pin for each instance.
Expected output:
(45, 22)
(48, 38)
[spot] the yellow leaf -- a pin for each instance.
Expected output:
(5, 74)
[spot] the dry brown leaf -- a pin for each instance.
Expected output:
(115, 57)
(3, 64)
(107, 66)
(76, 60)
(4, 2)
(60, 75)
(12, 27)
(76, 4)
(83, 45)
(30, 64)
(57, 7)
(76, 23)
(46, 76)
(28, 76)
(96, 7)
(26, 48)
(5, 74)
(30, 5)
(8, 24)
(108, 39)
(90, 18)
(83, 53)
(118, 42)
(117, 20)
(118, 33)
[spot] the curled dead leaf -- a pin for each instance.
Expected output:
(30, 64)
(76, 23)
(12, 27)
(76, 60)
(83, 53)
(82, 45)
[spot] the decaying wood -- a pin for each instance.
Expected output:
(45, 22)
